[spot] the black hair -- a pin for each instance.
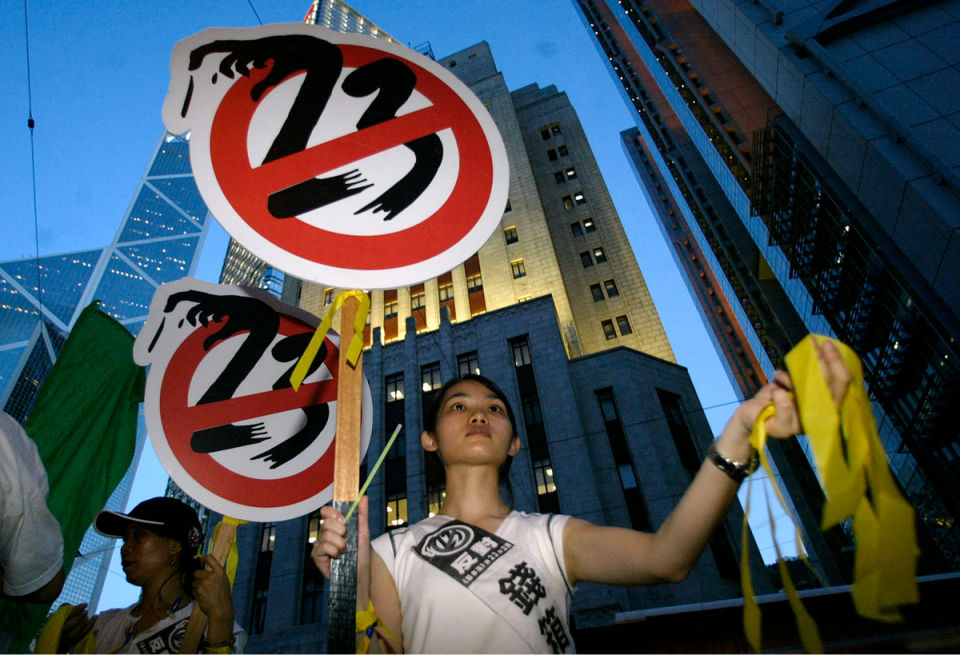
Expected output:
(435, 473)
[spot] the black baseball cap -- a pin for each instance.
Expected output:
(167, 517)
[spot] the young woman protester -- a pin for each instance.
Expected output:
(479, 577)
(160, 540)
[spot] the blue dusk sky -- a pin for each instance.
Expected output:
(100, 70)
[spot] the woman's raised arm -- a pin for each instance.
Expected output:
(624, 557)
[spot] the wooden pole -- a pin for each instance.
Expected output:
(198, 620)
(341, 632)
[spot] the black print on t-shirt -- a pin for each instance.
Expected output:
(523, 587)
(167, 640)
(462, 551)
(551, 627)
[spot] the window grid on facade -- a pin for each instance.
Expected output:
(445, 291)
(518, 268)
(632, 493)
(396, 511)
(611, 287)
(597, 292)
(430, 377)
(608, 330)
(475, 283)
(468, 363)
(600, 255)
(521, 353)
(394, 384)
(624, 324)
(267, 537)
(543, 474)
(510, 234)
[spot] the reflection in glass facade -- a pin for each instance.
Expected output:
(159, 240)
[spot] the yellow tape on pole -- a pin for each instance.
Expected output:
(356, 344)
(857, 482)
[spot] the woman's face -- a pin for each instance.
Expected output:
(145, 555)
(472, 427)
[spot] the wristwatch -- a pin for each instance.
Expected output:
(736, 470)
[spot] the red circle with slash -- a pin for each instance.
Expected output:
(247, 188)
(180, 420)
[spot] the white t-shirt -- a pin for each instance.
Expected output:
(31, 544)
(110, 632)
(463, 590)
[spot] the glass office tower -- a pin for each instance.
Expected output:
(802, 161)
(159, 240)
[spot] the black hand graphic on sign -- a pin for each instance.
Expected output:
(322, 62)
(289, 350)
(241, 314)
(395, 82)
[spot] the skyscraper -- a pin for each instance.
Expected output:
(554, 308)
(159, 240)
(802, 160)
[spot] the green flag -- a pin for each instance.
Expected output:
(85, 427)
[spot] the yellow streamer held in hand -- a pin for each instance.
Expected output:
(356, 344)
(233, 557)
(858, 484)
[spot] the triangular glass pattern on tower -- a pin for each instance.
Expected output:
(64, 277)
(163, 261)
(183, 192)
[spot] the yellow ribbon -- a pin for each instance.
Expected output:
(858, 484)
(233, 556)
(356, 344)
(48, 641)
(366, 620)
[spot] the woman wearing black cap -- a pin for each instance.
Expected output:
(160, 536)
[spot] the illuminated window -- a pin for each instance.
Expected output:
(600, 255)
(267, 537)
(394, 384)
(510, 234)
(571, 174)
(589, 226)
(390, 309)
(519, 270)
(474, 283)
(567, 202)
(543, 473)
(446, 291)
(580, 198)
(430, 377)
(314, 523)
(469, 363)
(521, 352)
(328, 296)
(418, 300)
(555, 130)
(396, 511)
